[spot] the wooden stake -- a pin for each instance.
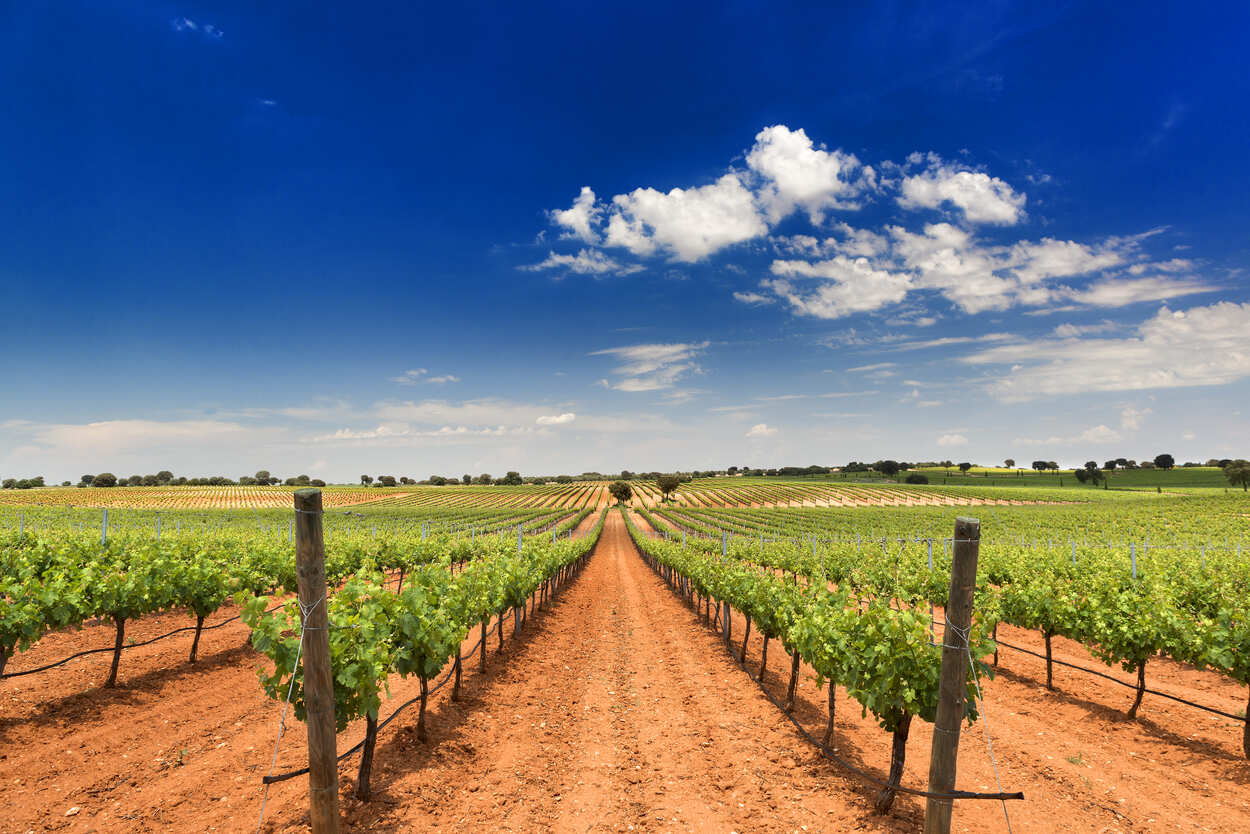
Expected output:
(952, 688)
(310, 568)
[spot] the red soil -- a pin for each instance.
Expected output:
(615, 709)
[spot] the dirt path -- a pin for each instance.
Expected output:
(615, 709)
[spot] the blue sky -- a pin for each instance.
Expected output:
(437, 240)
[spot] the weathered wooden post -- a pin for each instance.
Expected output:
(952, 688)
(310, 568)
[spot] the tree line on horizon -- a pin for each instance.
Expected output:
(1091, 472)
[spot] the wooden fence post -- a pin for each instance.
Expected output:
(952, 688)
(310, 567)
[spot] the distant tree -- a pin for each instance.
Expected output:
(1238, 473)
(1010, 463)
(317, 482)
(291, 482)
(87, 480)
(626, 475)
(621, 491)
(135, 480)
(1052, 466)
(386, 480)
(1165, 461)
(151, 480)
(303, 480)
(539, 480)
(65, 483)
(164, 476)
(964, 467)
(437, 480)
(1090, 473)
(511, 479)
(1109, 466)
(733, 470)
(889, 468)
(917, 478)
(247, 480)
(484, 478)
(104, 479)
(9, 483)
(667, 484)
(1040, 465)
(263, 476)
(564, 479)
(365, 479)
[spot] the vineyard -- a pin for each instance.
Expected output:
(700, 492)
(527, 657)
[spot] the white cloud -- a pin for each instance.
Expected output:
(760, 430)
(487, 411)
(1112, 292)
(853, 286)
(1071, 331)
(415, 375)
(876, 366)
(950, 340)
(798, 174)
(585, 262)
(787, 171)
(686, 224)
(557, 419)
(753, 298)
(654, 366)
(110, 437)
(1199, 346)
(579, 218)
(981, 198)
(948, 440)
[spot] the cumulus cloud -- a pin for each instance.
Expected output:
(579, 218)
(557, 419)
(948, 440)
(1175, 349)
(761, 430)
(685, 224)
(973, 275)
(798, 174)
(980, 197)
(850, 286)
(786, 172)
(653, 366)
(835, 269)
